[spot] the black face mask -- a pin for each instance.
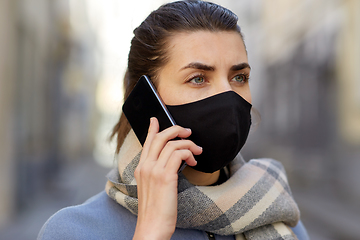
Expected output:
(220, 124)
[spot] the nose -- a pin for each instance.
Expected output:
(222, 85)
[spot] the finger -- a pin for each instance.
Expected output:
(172, 146)
(160, 139)
(177, 157)
(153, 130)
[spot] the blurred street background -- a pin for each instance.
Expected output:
(61, 68)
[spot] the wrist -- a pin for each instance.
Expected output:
(150, 232)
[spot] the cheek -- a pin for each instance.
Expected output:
(245, 94)
(164, 90)
(170, 95)
(178, 95)
(248, 98)
(163, 94)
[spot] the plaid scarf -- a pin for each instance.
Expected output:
(254, 203)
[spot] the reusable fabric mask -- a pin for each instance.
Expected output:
(220, 124)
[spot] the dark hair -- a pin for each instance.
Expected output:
(149, 45)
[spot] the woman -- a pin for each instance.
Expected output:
(194, 53)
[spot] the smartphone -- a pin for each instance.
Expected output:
(143, 103)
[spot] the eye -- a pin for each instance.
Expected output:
(197, 80)
(241, 78)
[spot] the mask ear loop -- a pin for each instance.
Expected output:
(255, 119)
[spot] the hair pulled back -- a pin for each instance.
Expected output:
(149, 44)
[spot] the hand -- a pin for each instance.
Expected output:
(157, 179)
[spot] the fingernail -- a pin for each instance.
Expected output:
(200, 147)
(188, 129)
(151, 121)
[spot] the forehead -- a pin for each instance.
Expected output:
(208, 47)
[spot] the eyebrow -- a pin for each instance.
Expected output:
(201, 66)
(240, 66)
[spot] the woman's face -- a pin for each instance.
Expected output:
(202, 64)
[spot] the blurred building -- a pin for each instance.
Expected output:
(47, 86)
(305, 82)
(7, 101)
(307, 90)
